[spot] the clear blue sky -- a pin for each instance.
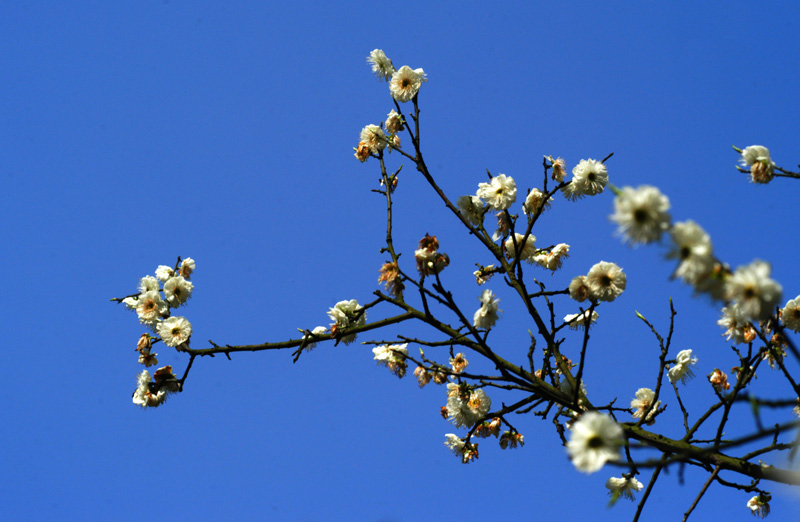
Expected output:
(135, 132)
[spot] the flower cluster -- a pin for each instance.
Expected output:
(466, 405)
(393, 356)
(154, 311)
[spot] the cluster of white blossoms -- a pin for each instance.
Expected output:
(153, 311)
(623, 486)
(487, 314)
(682, 369)
(605, 281)
(404, 83)
(465, 405)
(762, 168)
(595, 438)
(641, 213)
(347, 314)
(589, 177)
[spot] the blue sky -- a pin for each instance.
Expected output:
(136, 132)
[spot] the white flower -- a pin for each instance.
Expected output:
(374, 138)
(578, 289)
(762, 168)
(499, 193)
(390, 352)
(177, 291)
(790, 314)
(163, 272)
(692, 247)
(589, 177)
(595, 439)
(471, 208)
(150, 307)
(736, 325)
(148, 284)
(406, 82)
(578, 321)
(606, 281)
(394, 122)
(187, 267)
(143, 396)
(347, 314)
(758, 507)
(559, 168)
(644, 398)
(455, 444)
(528, 249)
(131, 303)
(174, 331)
(534, 201)
(553, 259)
(486, 315)
(316, 333)
(621, 486)
(682, 370)
(641, 214)
(381, 65)
(752, 289)
(464, 409)
(483, 274)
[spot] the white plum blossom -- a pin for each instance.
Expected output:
(790, 314)
(737, 327)
(454, 443)
(762, 168)
(374, 138)
(174, 331)
(589, 177)
(625, 487)
(466, 407)
(594, 440)
(177, 290)
(143, 396)
(163, 272)
(641, 213)
(499, 193)
(405, 83)
(130, 303)
(578, 290)
(559, 168)
(394, 122)
(692, 248)
(578, 321)
(644, 398)
(682, 369)
(528, 250)
(487, 314)
(534, 201)
(381, 65)
(316, 333)
(390, 352)
(606, 281)
(751, 288)
(553, 259)
(187, 267)
(150, 307)
(471, 208)
(346, 314)
(148, 284)
(758, 507)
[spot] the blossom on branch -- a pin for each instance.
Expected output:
(174, 331)
(762, 168)
(578, 321)
(487, 314)
(737, 327)
(682, 369)
(499, 193)
(643, 401)
(753, 291)
(150, 308)
(692, 248)
(594, 440)
(406, 82)
(381, 65)
(535, 201)
(471, 208)
(187, 267)
(552, 259)
(346, 314)
(528, 250)
(606, 281)
(790, 314)
(589, 177)
(621, 486)
(466, 406)
(393, 356)
(374, 138)
(177, 291)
